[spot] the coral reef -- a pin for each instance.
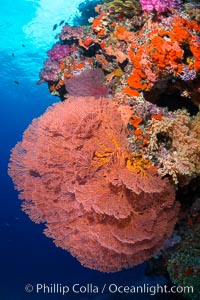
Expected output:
(102, 167)
(89, 190)
(140, 53)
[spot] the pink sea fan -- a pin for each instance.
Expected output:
(88, 83)
(75, 174)
(59, 51)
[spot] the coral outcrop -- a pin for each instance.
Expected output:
(101, 168)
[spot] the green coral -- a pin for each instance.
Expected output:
(184, 265)
(128, 8)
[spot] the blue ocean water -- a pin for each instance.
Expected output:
(26, 255)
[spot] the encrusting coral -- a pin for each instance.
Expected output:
(75, 174)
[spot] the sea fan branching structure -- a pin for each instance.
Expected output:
(109, 208)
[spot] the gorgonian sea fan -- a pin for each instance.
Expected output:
(87, 83)
(75, 174)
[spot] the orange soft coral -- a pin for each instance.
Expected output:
(162, 53)
(97, 22)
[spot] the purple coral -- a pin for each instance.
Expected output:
(176, 4)
(50, 70)
(88, 83)
(160, 5)
(69, 33)
(172, 241)
(59, 51)
(188, 74)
